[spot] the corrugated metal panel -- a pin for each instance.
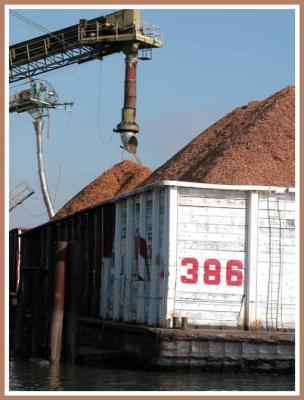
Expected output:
(211, 236)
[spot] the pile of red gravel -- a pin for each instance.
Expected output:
(252, 145)
(121, 178)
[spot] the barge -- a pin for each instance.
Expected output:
(173, 274)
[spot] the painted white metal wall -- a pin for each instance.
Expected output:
(232, 259)
(276, 272)
(210, 256)
(138, 272)
(217, 256)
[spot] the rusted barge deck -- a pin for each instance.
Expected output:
(220, 349)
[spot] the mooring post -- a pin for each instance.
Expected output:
(58, 308)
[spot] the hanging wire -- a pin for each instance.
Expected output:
(66, 133)
(105, 141)
(33, 215)
(35, 25)
(45, 30)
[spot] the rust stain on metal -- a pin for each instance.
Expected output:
(257, 324)
(58, 309)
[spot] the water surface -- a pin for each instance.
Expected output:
(31, 376)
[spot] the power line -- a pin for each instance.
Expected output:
(45, 30)
(35, 25)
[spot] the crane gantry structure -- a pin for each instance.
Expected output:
(121, 31)
(88, 40)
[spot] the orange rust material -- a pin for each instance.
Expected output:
(58, 308)
(256, 325)
(130, 82)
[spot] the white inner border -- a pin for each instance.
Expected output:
(7, 8)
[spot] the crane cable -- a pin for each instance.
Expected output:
(45, 30)
(39, 27)
(34, 24)
(33, 215)
(66, 133)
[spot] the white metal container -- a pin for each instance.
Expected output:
(219, 255)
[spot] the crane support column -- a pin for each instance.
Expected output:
(128, 126)
(43, 184)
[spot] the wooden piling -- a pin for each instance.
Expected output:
(71, 309)
(58, 308)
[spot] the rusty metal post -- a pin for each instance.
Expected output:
(176, 323)
(130, 80)
(23, 299)
(58, 308)
(128, 126)
(184, 322)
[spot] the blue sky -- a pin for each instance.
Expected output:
(212, 61)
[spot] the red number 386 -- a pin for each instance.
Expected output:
(212, 271)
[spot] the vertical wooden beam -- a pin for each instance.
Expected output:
(23, 298)
(72, 229)
(71, 326)
(58, 309)
(117, 262)
(154, 260)
(94, 294)
(86, 266)
(98, 259)
(164, 264)
(128, 264)
(35, 313)
(140, 312)
(105, 287)
(172, 251)
(250, 273)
